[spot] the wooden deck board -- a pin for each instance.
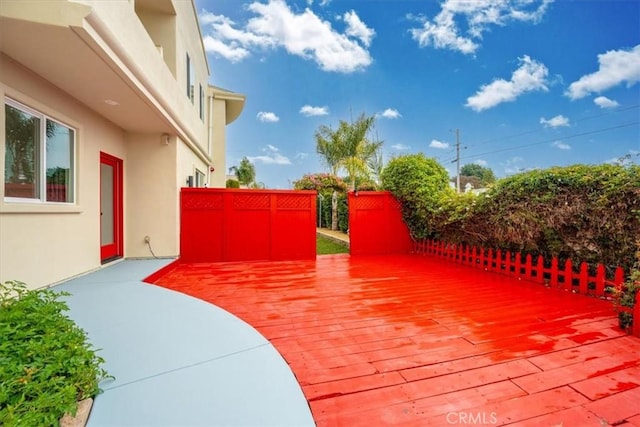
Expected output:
(410, 340)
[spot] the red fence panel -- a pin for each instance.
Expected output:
(375, 224)
(243, 225)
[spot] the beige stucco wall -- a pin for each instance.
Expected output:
(152, 200)
(42, 244)
(140, 54)
(218, 154)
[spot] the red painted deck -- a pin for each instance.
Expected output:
(406, 340)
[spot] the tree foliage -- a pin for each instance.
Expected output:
(245, 172)
(232, 183)
(326, 184)
(348, 148)
(419, 183)
(484, 174)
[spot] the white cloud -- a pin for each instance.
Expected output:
(304, 34)
(271, 157)
(400, 147)
(512, 165)
(439, 144)
(561, 145)
(616, 67)
(604, 102)
(310, 111)
(267, 117)
(356, 28)
(554, 122)
(232, 52)
(530, 76)
(228, 42)
(301, 156)
(483, 163)
(390, 113)
(444, 32)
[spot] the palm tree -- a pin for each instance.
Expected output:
(245, 172)
(348, 148)
(329, 146)
(358, 152)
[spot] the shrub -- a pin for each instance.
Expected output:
(46, 364)
(325, 184)
(419, 183)
(625, 297)
(320, 182)
(232, 183)
(587, 213)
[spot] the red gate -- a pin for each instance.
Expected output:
(375, 224)
(242, 225)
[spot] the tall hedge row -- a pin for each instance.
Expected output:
(584, 212)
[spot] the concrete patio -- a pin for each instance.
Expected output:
(177, 360)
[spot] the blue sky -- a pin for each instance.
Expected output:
(528, 83)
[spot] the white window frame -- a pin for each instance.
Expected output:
(197, 174)
(191, 80)
(42, 153)
(201, 103)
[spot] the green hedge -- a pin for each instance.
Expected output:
(584, 212)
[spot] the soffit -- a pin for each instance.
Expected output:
(60, 56)
(234, 102)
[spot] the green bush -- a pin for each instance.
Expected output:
(46, 364)
(625, 297)
(325, 184)
(419, 183)
(586, 213)
(232, 183)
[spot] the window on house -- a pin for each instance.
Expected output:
(200, 178)
(190, 80)
(39, 157)
(201, 103)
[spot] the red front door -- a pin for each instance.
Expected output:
(110, 208)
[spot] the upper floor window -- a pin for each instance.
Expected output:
(201, 103)
(190, 80)
(39, 161)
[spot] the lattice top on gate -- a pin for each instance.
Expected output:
(370, 202)
(293, 201)
(251, 201)
(201, 201)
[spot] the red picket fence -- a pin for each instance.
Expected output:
(243, 225)
(580, 281)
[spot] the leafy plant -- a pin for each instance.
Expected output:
(418, 182)
(46, 363)
(625, 296)
(349, 148)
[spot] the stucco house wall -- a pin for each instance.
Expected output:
(116, 73)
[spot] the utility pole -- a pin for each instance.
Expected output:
(458, 160)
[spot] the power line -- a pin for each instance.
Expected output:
(553, 139)
(528, 132)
